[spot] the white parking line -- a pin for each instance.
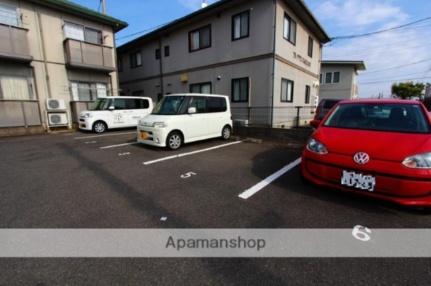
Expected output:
(104, 135)
(190, 153)
(258, 187)
(118, 145)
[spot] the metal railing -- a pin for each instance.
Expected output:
(278, 117)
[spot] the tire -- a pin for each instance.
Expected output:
(226, 133)
(174, 140)
(99, 127)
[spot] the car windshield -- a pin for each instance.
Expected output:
(171, 105)
(405, 118)
(102, 104)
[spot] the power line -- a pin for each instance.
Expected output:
(142, 31)
(398, 67)
(393, 80)
(380, 31)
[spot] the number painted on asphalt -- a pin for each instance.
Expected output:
(361, 233)
(188, 175)
(124, 154)
(91, 142)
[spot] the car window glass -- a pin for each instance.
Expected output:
(120, 104)
(216, 104)
(199, 103)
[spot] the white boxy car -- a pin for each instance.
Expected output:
(185, 118)
(115, 112)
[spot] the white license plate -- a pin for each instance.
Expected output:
(358, 181)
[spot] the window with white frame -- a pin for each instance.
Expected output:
(86, 91)
(289, 29)
(81, 33)
(15, 88)
(287, 87)
(9, 15)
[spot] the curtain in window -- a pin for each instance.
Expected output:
(236, 90)
(84, 92)
(102, 90)
(194, 41)
(237, 27)
(244, 25)
(73, 31)
(14, 88)
(205, 37)
(93, 36)
(9, 15)
(206, 88)
(286, 29)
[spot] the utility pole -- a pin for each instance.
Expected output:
(103, 4)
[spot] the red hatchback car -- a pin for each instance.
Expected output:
(378, 148)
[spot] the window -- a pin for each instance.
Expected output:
(85, 91)
(200, 39)
(158, 54)
(205, 88)
(321, 79)
(131, 104)
(81, 33)
(336, 77)
(200, 103)
(216, 104)
(93, 36)
(240, 89)
(328, 77)
(167, 51)
(135, 60)
(15, 88)
(241, 25)
(286, 90)
(310, 47)
(289, 32)
(9, 15)
(307, 94)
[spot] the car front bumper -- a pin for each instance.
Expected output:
(152, 136)
(86, 124)
(403, 190)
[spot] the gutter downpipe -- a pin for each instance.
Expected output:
(273, 64)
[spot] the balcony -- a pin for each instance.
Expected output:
(14, 44)
(83, 55)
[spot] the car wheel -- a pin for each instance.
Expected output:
(174, 141)
(226, 133)
(99, 127)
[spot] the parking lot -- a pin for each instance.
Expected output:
(81, 180)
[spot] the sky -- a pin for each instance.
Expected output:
(388, 56)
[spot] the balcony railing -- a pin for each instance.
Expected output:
(85, 55)
(14, 44)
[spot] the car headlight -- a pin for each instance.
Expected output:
(316, 147)
(86, 115)
(159, 125)
(421, 161)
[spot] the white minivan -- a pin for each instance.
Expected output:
(115, 112)
(185, 118)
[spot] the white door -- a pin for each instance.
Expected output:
(217, 108)
(140, 109)
(197, 124)
(120, 116)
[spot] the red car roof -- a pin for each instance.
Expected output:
(387, 101)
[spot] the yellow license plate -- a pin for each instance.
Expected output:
(144, 135)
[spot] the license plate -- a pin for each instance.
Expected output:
(358, 181)
(144, 135)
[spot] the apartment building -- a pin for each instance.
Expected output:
(338, 79)
(264, 54)
(53, 49)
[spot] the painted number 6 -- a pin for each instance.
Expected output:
(361, 233)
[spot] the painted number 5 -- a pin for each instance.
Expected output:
(361, 233)
(188, 175)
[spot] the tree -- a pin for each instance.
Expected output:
(406, 90)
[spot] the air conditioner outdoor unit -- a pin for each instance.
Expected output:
(58, 119)
(55, 104)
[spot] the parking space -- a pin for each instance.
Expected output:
(86, 180)
(76, 181)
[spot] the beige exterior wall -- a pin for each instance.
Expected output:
(46, 44)
(265, 57)
(345, 89)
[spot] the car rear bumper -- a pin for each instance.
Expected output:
(400, 190)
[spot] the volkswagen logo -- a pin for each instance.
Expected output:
(361, 158)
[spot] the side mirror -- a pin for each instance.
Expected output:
(111, 108)
(192, 110)
(315, 123)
